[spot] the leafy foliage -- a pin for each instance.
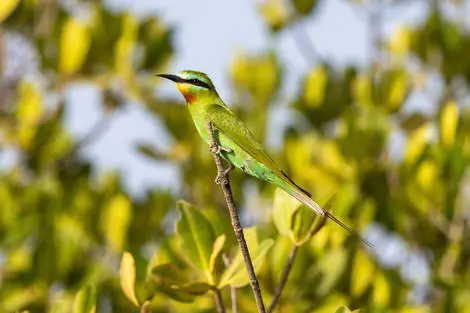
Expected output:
(74, 241)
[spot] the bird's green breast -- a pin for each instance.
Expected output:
(238, 157)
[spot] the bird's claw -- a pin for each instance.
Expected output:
(217, 149)
(222, 177)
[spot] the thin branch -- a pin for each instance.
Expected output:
(305, 45)
(223, 180)
(283, 280)
(233, 290)
(218, 301)
(94, 134)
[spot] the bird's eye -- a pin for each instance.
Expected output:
(197, 82)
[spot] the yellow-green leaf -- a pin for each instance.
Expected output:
(59, 306)
(362, 273)
(401, 41)
(283, 207)
(362, 90)
(127, 274)
(342, 309)
(305, 223)
(422, 309)
(85, 300)
(417, 142)
(216, 249)
(397, 88)
(115, 221)
(381, 294)
(315, 86)
(275, 13)
(197, 237)
(124, 48)
(75, 42)
(293, 219)
(29, 112)
(330, 268)
(7, 7)
(427, 175)
(236, 275)
(449, 121)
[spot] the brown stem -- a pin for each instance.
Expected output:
(218, 301)
(223, 180)
(283, 280)
(233, 290)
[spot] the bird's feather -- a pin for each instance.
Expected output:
(231, 126)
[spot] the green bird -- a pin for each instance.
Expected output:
(238, 146)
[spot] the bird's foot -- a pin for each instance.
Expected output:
(217, 149)
(222, 178)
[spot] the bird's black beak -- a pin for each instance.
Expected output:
(172, 77)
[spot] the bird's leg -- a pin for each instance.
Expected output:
(222, 177)
(215, 148)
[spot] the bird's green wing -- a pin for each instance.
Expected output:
(231, 126)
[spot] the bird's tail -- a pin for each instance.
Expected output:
(305, 198)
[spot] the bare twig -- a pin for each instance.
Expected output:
(223, 180)
(95, 132)
(218, 301)
(305, 45)
(233, 290)
(283, 280)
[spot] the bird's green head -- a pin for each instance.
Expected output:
(192, 85)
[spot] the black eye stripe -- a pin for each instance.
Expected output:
(197, 82)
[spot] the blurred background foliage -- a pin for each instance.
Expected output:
(62, 227)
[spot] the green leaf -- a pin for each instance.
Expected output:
(174, 282)
(197, 237)
(216, 249)
(186, 293)
(342, 309)
(168, 274)
(235, 275)
(127, 274)
(85, 300)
